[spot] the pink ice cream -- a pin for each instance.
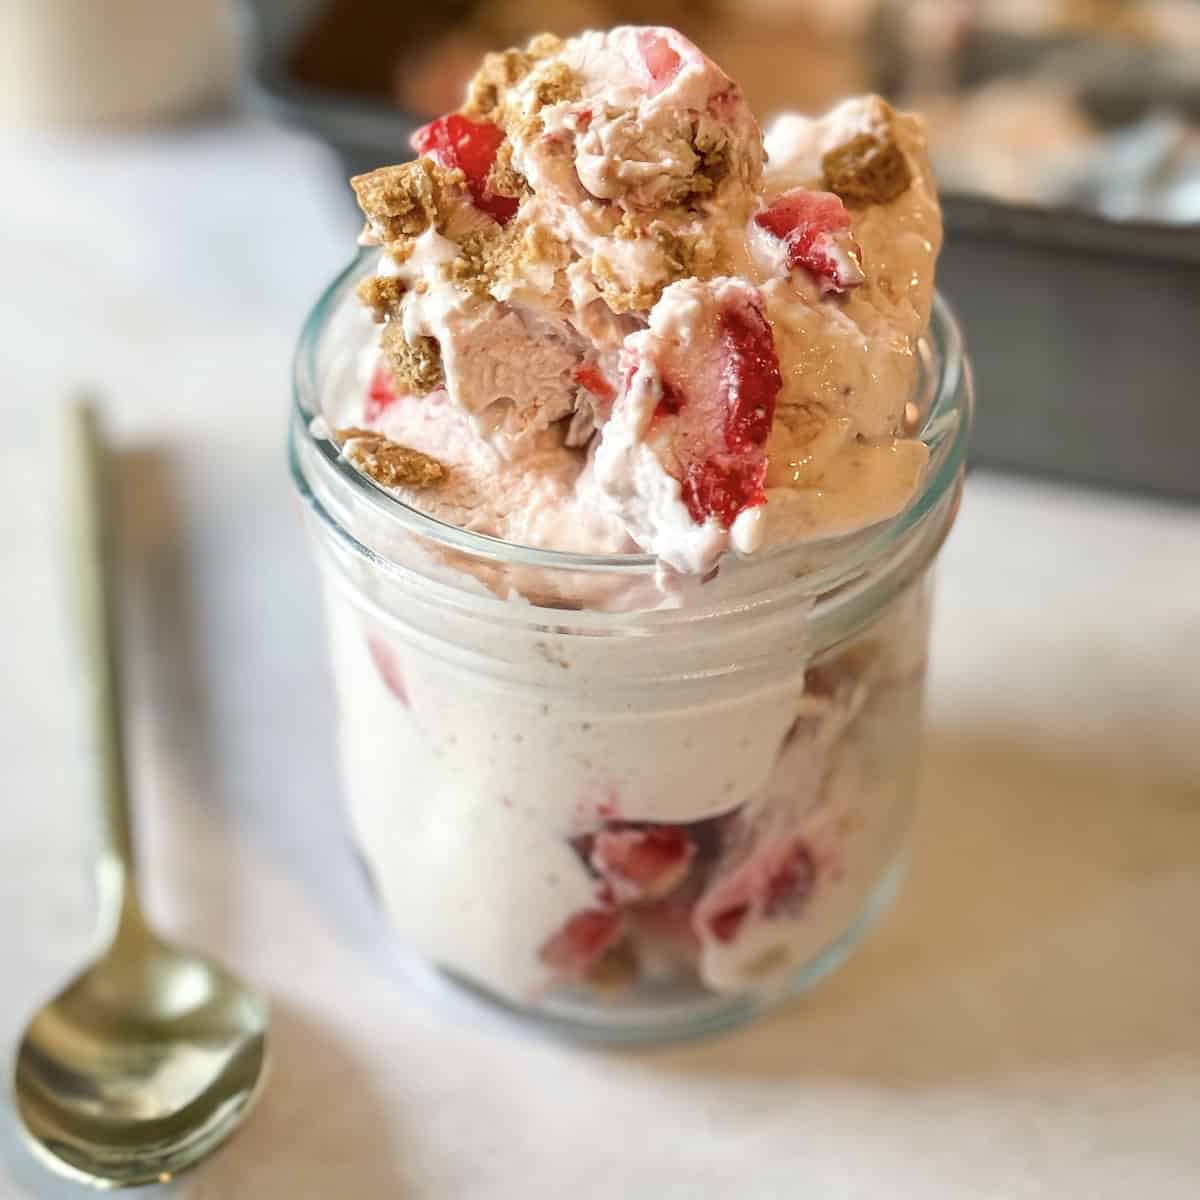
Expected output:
(613, 318)
(621, 323)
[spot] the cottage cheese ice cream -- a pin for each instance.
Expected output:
(611, 317)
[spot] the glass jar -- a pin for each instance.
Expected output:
(629, 804)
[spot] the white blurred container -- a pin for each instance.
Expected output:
(71, 63)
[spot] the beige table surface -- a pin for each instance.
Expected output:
(1026, 1023)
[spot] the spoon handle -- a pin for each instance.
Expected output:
(89, 516)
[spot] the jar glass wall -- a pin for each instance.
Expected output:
(631, 804)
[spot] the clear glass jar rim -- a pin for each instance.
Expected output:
(946, 431)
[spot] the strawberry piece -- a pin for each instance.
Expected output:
(814, 228)
(730, 478)
(725, 923)
(750, 378)
(722, 487)
(380, 394)
(581, 940)
(791, 882)
(671, 402)
(661, 59)
(470, 146)
(645, 862)
(775, 882)
(590, 376)
(389, 670)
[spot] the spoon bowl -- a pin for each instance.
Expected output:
(141, 1066)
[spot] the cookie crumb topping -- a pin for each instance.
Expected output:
(387, 462)
(868, 169)
(416, 364)
(403, 201)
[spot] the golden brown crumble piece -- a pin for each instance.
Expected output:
(387, 462)
(553, 83)
(868, 169)
(487, 257)
(556, 83)
(483, 255)
(711, 144)
(404, 201)
(381, 294)
(504, 179)
(682, 255)
(501, 71)
(416, 365)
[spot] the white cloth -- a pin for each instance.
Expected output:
(1026, 1023)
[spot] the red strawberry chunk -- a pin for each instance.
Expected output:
(661, 59)
(388, 668)
(713, 397)
(581, 940)
(590, 376)
(642, 862)
(814, 228)
(725, 922)
(470, 146)
(380, 394)
(730, 480)
(722, 487)
(750, 378)
(671, 402)
(791, 882)
(775, 882)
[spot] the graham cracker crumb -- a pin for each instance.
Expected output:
(416, 365)
(711, 144)
(404, 201)
(387, 462)
(555, 84)
(868, 169)
(483, 255)
(485, 92)
(552, 83)
(381, 294)
(682, 255)
(500, 72)
(489, 257)
(504, 179)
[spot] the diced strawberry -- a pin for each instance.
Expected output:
(642, 862)
(380, 394)
(791, 881)
(775, 882)
(581, 940)
(661, 59)
(721, 394)
(590, 376)
(814, 228)
(725, 922)
(722, 487)
(470, 146)
(389, 670)
(750, 378)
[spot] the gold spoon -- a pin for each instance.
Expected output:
(151, 1057)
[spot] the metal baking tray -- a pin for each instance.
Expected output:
(1084, 332)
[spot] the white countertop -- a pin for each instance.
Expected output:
(1026, 1023)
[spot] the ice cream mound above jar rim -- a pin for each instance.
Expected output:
(614, 318)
